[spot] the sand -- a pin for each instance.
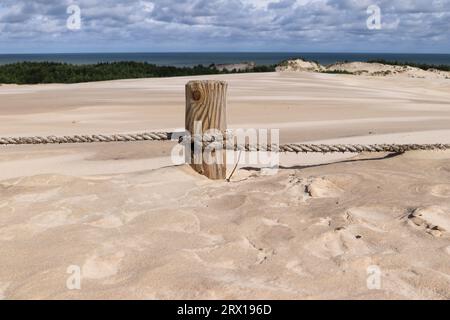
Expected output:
(363, 68)
(300, 65)
(379, 69)
(138, 227)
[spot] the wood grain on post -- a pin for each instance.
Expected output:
(206, 111)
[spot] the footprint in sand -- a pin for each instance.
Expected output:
(228, 202)
(321, 187)
(180, 222)
(441, 191)
(240, 254)
(435, 220)
(337, 243)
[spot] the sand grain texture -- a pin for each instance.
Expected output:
(140, 228)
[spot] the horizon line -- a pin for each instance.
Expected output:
(221, 52)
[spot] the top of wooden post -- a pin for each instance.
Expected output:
(205, 82)
(200, 89)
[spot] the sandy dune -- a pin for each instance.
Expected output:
(138, 227)
(365, 69)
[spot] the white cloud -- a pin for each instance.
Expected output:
(178, 25)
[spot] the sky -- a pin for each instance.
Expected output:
(57, 26)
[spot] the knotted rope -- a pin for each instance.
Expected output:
(179, 136)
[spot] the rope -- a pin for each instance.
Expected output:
(167, 136)
(347, 148)
(148, 136)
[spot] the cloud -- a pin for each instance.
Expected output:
(181, 25)
(282, 4)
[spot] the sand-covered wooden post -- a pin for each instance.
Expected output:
(206, 111)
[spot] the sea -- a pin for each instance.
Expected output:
(188, 59)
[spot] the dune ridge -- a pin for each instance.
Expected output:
(363, 68)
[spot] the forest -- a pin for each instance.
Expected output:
(53, 72)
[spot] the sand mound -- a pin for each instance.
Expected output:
(299, 65)
(323, 188)
(442, 191)
(362, 68)
(244, 66)
(435, 220)
(379, 69)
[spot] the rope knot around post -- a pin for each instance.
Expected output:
(206, 116)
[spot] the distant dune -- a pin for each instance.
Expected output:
(362, 68)
(244, 66)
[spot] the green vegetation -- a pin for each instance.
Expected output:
(422, 66)
(51, 72)
(337, 71)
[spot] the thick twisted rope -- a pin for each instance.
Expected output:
(346, 148)
(148, 136)
(208, 142)
(167, 136)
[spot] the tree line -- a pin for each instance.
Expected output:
(54, 72)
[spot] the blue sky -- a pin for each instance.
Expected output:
(40, 26)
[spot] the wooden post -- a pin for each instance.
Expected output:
(206, 111)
